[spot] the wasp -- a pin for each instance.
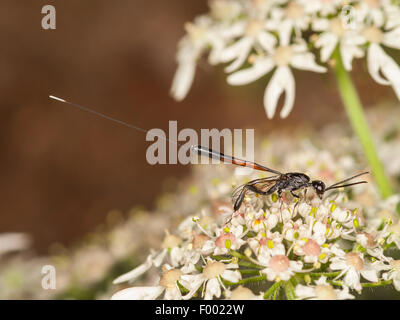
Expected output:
(279, 182)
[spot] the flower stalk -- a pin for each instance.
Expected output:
(354, 110)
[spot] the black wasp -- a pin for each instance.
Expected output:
(279, 182)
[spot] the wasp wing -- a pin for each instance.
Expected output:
(262, 184)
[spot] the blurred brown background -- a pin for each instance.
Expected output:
(62, 169)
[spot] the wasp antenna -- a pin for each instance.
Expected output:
(345, 185)
(347, 179)
(104, 116)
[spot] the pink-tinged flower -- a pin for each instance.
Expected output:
(279, 267)
(267, 243)
(353, 266)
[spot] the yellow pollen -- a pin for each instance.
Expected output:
(247, 252)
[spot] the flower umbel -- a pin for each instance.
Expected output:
(318, 251)
(281, 34)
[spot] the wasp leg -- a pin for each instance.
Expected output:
(294, 195)
(239, 200)
(246, 188)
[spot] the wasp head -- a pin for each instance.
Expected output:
(319, 187)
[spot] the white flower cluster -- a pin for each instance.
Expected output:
(311, 249)
(276, 35)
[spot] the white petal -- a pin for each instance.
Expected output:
(173, 294)
(259, 69)
(306, 61)
(327, 42)
(135, 273)
(344, 294)
(138, 293)
(320, 24)
(285, 31)
(183, 79)
(370, 275)
(213, 288)
(281, 81)
(267, 41)
(396, 283)
(13, 241)
(375, 59)
(303, 292)
(391, 71)
(243, 54)
(232, 276)
(348, 53)
(159, 258)
(338, 265)
(192, 283)
(352, 279)
(235, 50)
(296, 265)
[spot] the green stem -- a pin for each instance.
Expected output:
(356, 115)
(272, 290)
(249, 271)
(326, 274)
(246, 280)
(239, 255)
(380, 283)
(289, 290)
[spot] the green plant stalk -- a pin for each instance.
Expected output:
(273, 290)
(289, 290)
(246, 280)
(358, 121)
